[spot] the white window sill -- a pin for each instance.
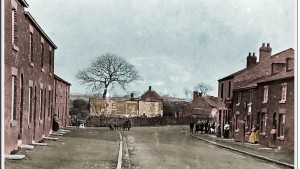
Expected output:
(249, 104)
(50, 74)
(16, 48)
(43, 70)
(280, 138)
(264, 102)
(263, 134)
(282, 101)
(13, 123)
(238, 104)
(31, 64)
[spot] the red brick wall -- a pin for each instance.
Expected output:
(62, 92)
(19, 60)
(273, 106)
(240, 112)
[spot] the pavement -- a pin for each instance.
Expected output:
(279, 157)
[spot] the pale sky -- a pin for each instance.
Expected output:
(174, 44)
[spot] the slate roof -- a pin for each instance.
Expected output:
(276, 58)
(212, 101)
(277, 76)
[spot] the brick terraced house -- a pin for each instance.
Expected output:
(29, 78)
(254, 70)
(262, 95)
(203, 107)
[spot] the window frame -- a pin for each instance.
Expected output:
(30, 100)
(31, 47)
(42, 54)
(14, 96)
(265, 94)
(263, 124)
(281, 126)
(283, 93)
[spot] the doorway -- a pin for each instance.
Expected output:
(21, 108)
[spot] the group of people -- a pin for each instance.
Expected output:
(202, 127)
(113, 125)
(209, 127)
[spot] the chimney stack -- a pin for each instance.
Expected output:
(265, 52)
(251, 60)
(195, 95)
(131, 95)
(200, 94)
(150, 88)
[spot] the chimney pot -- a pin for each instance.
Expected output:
(253, 53)
(131, 95)
(268, 45)
(150, 88)
(263, 45)
(249, 54)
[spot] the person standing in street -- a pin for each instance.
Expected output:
(226, 130)
(273, 137)
(218, 132)
(55, 125)
(192, 127)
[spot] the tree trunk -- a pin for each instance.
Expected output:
(104, 93)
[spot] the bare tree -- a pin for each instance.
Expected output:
(108, 70)
(203, 88)
(187, 92)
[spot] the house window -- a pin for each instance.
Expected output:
(222, 85)
(45, 102)
(50, 60)
(30, 104)
(290, 64)
(248, 123)
(236, 121)
(14, 27)
(239, 98)
(266, 90)
(14, 98)
(229, 89)
(49, 106)
(283, 92)
(250, 96)
(31, 47)
(41, 103)
(263, 122)
(42, 55)
(281, 125)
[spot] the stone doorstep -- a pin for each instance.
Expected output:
(56, 134)
(26, 146)
(63, 130)
(69, 127)
(40, 144)
(50, 138)
(14, 157)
